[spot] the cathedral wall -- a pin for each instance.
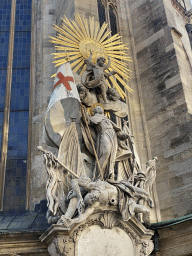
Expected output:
(42, 83)
(167, 114)
(137, 118)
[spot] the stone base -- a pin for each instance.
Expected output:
(103, 233)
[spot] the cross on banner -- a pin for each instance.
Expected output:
(64, 80)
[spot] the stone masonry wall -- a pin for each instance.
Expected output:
(42, 69)
(162, 75)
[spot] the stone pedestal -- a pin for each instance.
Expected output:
(103, 233)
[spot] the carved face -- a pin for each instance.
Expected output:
(82, 91)
(82, 94)
(113, 94)
(98, 110)
(100, 61)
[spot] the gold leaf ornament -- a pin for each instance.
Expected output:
(75, 40)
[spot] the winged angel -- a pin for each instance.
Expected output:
(97, 166)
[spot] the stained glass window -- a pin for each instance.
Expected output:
(16, 165)
(5, 12)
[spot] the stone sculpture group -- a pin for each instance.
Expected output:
(128, 189)
(98, 196)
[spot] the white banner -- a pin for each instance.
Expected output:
(64, 106)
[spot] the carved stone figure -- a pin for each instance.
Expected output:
(101, 194)
(106, 144)
(151, 174)
(112, 94)
(82, 182)
(88, 98)
(99, 75)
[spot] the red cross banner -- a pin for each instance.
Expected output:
(63, 107)
(64, 80)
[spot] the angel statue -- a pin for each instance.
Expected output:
(99, 75)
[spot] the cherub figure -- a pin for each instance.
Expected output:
(99, 74)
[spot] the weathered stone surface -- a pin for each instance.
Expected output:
(104, 233)
(176, 239)
(96, 241)
(164, 60)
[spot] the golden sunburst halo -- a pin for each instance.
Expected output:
(75, 40)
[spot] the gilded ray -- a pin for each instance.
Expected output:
(96, 30)
(76, 62)
(123, 64)
(103, 28)
(113, 38)
(66, 49)
(83, 70)
(75, 40)
(77, 28)
(115, 44)
(124, 68)
(79, 65)
(105, 36)
(78, 36)
(78, 18)
(63, 32)
(115, 53)
(70, 33)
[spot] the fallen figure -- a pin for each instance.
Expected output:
(101, 194)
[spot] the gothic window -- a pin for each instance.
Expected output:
(15, 32)
(107, 12)
(113, 21)
(101, 11)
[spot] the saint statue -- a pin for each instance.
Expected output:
(108, 134)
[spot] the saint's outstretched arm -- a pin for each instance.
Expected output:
(108, 64)
(89, 61)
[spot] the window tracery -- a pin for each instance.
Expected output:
(108, 13)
